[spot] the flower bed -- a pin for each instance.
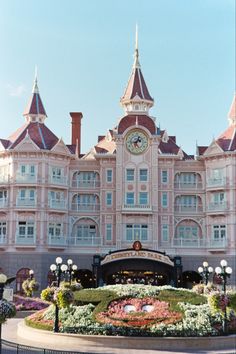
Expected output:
(29, 304)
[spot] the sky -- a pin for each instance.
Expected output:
(84, 54)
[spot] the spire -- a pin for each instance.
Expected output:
(136, 98)
(232, 112)
(35, 111)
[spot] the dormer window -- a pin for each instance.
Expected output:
(136, 107)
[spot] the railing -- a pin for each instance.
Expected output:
(188, 242)
(85, 207)
(188, 208)
(3, 239)
(62, 181)
(216, 182)
(57, 204)
(217, 243)
(26, 178)
(188, 185)
(4, 179)
(3, 202)
(86, 184)
(137, 207)
(26, 202)
(25, 240)
(84, 241)
(217, 206)
(54, 240)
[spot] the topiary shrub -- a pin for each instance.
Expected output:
(7, 310)
(29, 286)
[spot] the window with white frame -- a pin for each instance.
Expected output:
(27, 194)
(109, 176)
(86, 232)
(56, 195)
(27, 170)
(219, 232)
(165, 233)
(143, 175)
(164, 176)
(3, 228)
(130, 175)
(164, 199)
(86, 176)
(108, 232)
(55, 229)
(57, 173)
(187, 232)
(108, 198)
(143, 198)
(188, 178)
(218, 197)
(130, 198)
(136, 232)
(3, 194)
(188, 200)
(217, 174)
(26, 229)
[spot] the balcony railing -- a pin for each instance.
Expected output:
(216, 182)
(217, 243)
(188, 208)
(86, 184)
(4, 179)
(85, 241)
(57, 204)
(54, 240)
(26, 202)
(25, 240)
(59, 180)
(85, 207)
(3, 202)
(222, 206)
(188, 185)
(137, 208)
(195, 242)
(3, 239)
(26, 178)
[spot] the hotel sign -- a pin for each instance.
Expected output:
(148, 255)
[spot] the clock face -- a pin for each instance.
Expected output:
(136, 141)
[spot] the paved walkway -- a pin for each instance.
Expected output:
(9, 333)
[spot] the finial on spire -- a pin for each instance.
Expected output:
(136, 53)
(35, 86)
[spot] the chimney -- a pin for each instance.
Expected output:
(76, 129)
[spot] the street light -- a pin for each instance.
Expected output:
(71, 269)
(205, 271)
(224, 272)
(31, 274)
(57, 269)
(3, 279)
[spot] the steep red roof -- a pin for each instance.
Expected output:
(201, 149)
(42, 136)
(227, 140)
(232, 110)
(5, 143)
(35, 104)
(132, 120)
(170, 147)
(136, 86)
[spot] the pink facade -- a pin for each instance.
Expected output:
(136, 183)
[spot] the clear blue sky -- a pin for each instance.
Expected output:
(84, 53)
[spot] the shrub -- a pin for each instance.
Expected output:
(29, 286)
(7, 310)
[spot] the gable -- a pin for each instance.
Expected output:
(214, 148)
(61, 148)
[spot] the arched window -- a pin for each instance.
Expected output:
(21, 276)
(187, 234)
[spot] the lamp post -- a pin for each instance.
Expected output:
(3, 279)
(57, 269)
(71, 269)
(205, 271)
(31, 274)
(224, 272)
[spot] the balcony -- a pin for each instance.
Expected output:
(188, 209)
(57, 204)
(137, 208)
(85, 184)
(188, 186)
(25, 240)
(184, 242)
(220, 243)
(216, 182)
(85, 207)
(3, 202)
(26, 178)
(85, 240)
(217, 207)
(3, 239)
(4, 179)
(58, 180)
(26, 203)
(57, 241)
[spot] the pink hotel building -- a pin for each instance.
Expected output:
(135, 184)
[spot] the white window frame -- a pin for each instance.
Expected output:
(25, 229)
(164, 176)
(109, 175)
(108, 198)
(136, 232)
(165, 233)
(108, 232)
(219, 232)
(130, 175)
(55, 229)
(129, 198)
(143, 175)
(164, 200)
(143, 198)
